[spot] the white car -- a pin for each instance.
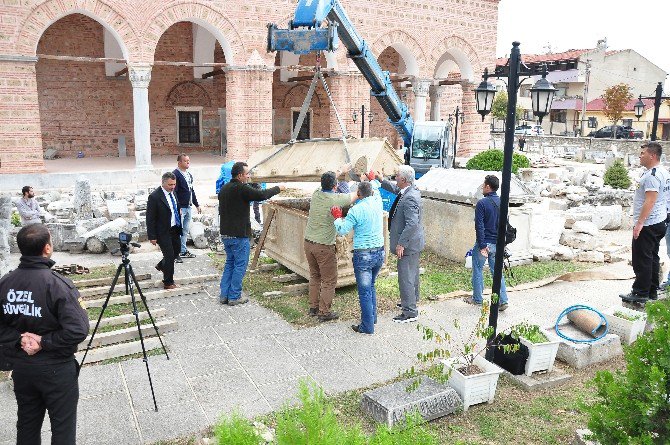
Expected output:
(529, 130)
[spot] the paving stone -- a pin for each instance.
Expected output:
(96, 380)
(106, 419)
(171, 422)
(336, 371)
(250, 311)
(207, 360)
(199, 320)
(539, 381)
(282, 393)
(169, 382)
(305, 342)
(252, 329)
(390, 404)
(265, 360)
(386, 367)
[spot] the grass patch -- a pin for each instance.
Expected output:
(441, 276)
(107, 271)
(113, 310)
(150, 353)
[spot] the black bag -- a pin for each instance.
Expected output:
(510, 231)
(514, 362)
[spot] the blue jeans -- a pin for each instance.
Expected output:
(667, 245)
(367, 264)
(185, 226)
(237, 258)
(478, 262)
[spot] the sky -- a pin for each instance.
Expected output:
(579, 24)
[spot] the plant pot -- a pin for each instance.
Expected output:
(627, 330)
(512, 362)
(541, 356)
(473, 389)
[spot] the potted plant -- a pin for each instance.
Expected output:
(627, 323)
(541, 351)
(472, 376)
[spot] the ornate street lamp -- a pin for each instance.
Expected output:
(658, 97)
(354, 117)
(484, 95)
(542, 94)
(639, 108)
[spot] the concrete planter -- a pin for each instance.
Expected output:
(541, 356)
(627, 330)
(474, 389)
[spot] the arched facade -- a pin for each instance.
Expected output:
(160, 67)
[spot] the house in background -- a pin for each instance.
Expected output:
(571, 71)
(596, 118)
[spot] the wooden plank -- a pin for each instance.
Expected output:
(121, 72)
(178, 292)
(123, 335)
(120, 350)
(264, 235)
(128, 318)
(186, 281)
(287, 278)
(216, 72)
(106, 281)
(92, 292)
(296, 289)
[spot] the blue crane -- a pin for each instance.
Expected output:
(426, 142)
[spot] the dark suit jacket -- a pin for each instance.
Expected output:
(181, 192)
(159, 217)
(407, 220)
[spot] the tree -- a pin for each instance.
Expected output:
(615, 100)
(499, 107)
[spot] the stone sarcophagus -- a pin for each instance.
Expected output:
(286, 235)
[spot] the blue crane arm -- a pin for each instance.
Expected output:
(306, 34)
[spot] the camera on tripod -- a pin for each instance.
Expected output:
(125, 242)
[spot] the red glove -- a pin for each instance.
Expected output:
(371, 175)
(336, 212)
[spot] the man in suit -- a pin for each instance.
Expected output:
(185, 199)
(406, 239)
(164, 226)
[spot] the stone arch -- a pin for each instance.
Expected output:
(296, 92)
(408, 48)
(201, 14)
(188, 93)
(51, 11)
(459, 51)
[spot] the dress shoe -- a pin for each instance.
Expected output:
(313, 311)
(169, 286)
(329, 317)
(633, 297)
(178, 260)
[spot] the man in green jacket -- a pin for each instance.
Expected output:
(234, 199)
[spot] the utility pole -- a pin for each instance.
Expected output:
(585, 97)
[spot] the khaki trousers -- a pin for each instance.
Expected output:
(322, 262)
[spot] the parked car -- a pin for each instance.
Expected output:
(529, 130)
(621, 133)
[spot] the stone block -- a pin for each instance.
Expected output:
(82, 201)
(390, 404)
(539, 381)
(581, 355)
(117, 208)
(577, 240)
(557, 204)
(581, 438)
(60, 232)
(607, 217)
(585, 227)
(591, 256)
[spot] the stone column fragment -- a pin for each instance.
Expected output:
(140, 76)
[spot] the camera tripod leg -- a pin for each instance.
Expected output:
(145, 359)
(102, 312)
(146, 306)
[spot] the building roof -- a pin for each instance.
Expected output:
(566, 104)
(571, 54)
(599, 105)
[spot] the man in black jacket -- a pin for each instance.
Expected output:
(186, 198)
(41, 324)
(234, 199)
(164, 226)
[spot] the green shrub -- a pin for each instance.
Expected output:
(633, 406)
(409, 433)
(617, 176)
(492, 160)
(236, 430)
(16, 219)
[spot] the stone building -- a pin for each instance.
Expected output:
(143, 78)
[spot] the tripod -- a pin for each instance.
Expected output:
(128, 274)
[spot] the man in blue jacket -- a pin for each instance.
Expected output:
(185, 198)
(486, 228)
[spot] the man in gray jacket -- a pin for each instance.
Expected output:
(406, 239)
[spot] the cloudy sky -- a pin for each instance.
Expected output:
(579, 24)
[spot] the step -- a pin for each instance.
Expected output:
(124, 335)
(120, 350)
(120, 287)
(153, 295)
(189, 280)
(128, 318)
(287, 278)
(106, 281)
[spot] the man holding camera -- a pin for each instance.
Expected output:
(41, 325)
(164, 226)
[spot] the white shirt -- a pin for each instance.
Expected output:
(189, 181)
(169, 201)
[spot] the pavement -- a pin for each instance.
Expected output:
(247, 358)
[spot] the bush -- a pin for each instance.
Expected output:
(16, 219)
(492, 160)
(633, 406)
(236, 430)
(617, 176)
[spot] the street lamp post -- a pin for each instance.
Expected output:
(460, 116)
(639, 108)
(542, 94)
(370, 117)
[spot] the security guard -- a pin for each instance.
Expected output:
(41, 325)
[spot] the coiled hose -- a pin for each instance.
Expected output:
(578, 307)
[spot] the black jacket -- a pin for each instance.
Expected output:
(182, 190)
(234, 199)
(36, 299)
(159, 216)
